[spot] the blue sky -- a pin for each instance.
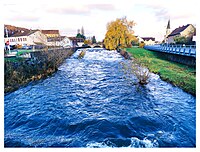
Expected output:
(151, 16)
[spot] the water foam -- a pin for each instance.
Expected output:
(135, 143)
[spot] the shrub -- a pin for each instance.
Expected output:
(134, 67)
(141, 45)
(82, 54)
(43, 63)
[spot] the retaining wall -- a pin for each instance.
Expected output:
(187, 60)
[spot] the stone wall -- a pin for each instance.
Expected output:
(187, 60)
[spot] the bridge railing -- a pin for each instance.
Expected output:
(186, 50)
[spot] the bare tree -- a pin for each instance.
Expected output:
(135, 68)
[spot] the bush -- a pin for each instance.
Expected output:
(43, 63)
(82, 54)
(134, 67)
(141, 45)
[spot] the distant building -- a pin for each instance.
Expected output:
(66, 42)
(51, 33)
(139, 39)
(168, 31)
(59, 41)
(27, 37)
(148, 40)
(54, 41)
(187, 31)
(76, 41)
(194, 38)
(82, 31)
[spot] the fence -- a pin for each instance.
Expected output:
(185, 50)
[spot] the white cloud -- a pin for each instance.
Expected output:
(151, 16)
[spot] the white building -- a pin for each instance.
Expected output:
(186, 31)
(27, 37)
(66, 42)
(146, 40)
(149, 40)
(59, 41)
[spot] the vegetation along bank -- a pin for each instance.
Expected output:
(20, 71)
(177, 74)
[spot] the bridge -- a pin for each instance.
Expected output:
(186, 50)
(96, 46)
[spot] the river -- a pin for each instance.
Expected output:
(91, 102)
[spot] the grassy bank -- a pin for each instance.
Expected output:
(177, 74)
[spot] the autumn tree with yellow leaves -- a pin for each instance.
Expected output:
(119, 34)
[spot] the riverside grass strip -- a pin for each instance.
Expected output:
(177, 74)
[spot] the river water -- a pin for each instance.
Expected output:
(92, 102)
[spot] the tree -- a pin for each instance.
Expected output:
(119, 34)
(87, 42)
(135, 42)
(80, 36)
(94, 40)
(182, 40)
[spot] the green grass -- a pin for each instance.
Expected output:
(17, 58)
(177, 74)
(20, 52)
(13, 59)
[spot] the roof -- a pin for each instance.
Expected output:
(11, 27)
(76, 39)
(148, 38)
(10, 30)
(178, 30)
(50, 32)
(24, 33)
(168, 25)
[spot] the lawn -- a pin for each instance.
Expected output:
(20, 52)
(17, 58)
(177, 74)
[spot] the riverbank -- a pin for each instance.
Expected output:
(20, 71)
(177, 74)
